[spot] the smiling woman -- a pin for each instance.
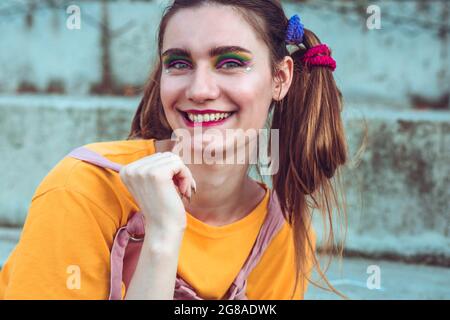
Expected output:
(233, 62)
(165, 228)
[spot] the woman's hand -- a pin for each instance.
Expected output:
(156, 183)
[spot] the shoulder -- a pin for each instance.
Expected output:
(101, 186)
(123, 151)
(69, 171)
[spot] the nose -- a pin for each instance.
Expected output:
(203, 86)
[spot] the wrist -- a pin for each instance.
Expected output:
(162, 239)
(163, 230)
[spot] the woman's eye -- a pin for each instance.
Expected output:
(179, 65)
(225, 64)
(230, 64)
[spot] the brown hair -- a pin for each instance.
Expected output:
(312, 140)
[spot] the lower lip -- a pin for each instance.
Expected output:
(204, 124)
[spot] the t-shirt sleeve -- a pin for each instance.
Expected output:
(64, 249)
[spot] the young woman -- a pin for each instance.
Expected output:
(224, 64)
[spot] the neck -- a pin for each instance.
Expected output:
(220, 189)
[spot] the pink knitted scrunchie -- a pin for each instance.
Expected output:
(319, 55)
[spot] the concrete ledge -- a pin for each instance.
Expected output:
(8, 240)
(38, 131)
(397, 196)
(397, 281)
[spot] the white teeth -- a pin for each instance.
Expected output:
(208, 117)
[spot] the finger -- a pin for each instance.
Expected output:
(177, 183)
(162, 160)
(192, 185)
(184, 176)
(147, 159)
(185, 185)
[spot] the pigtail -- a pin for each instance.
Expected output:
(149, 121)
(312, 148)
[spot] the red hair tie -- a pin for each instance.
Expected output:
(319, 55)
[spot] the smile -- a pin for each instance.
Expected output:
(205, 118)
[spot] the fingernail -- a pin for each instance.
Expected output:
(193, 189)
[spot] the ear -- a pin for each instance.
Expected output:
(282, 78)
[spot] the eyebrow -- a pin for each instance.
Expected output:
(212, 52)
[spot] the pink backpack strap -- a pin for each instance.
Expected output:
(272, 225)
(125, 236)
(83, 153)
(128, 242)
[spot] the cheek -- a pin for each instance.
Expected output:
(170, 90)
(253, 97)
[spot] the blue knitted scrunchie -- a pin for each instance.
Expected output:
(294, 32)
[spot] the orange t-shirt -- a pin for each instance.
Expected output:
(64, 248)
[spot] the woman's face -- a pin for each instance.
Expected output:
(216, 72)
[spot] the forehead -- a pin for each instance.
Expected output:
(199, 29)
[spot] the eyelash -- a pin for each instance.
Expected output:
(221, 64)
(226, 61)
